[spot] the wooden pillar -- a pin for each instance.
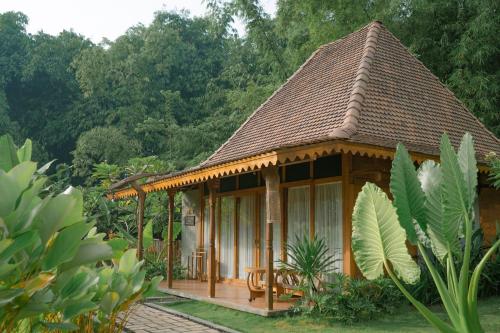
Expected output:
(236, 235)
(212, 202)
(141, 198)
(348, 204)
(273, 215)
(170, 241)
(312, 202)
(284, 223)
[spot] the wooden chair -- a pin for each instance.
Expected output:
(255, 286)
(287, 282)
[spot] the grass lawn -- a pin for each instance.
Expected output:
(406, 320)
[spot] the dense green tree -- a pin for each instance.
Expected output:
(102, 144)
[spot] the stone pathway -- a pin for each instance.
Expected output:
(146, 319)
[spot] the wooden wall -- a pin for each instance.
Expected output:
(489, 211)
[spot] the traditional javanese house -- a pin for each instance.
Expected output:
(295, 166)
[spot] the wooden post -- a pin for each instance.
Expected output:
(170, 241)
(212, 188)
(347, 203)
(273, 215)
(312, 202)
(284, 223)
(236, 235)
(141, 198)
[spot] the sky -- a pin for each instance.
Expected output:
(96, 19)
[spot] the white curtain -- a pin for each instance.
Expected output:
(227, 238)
(246, 234)
(206, 225)
(298, 213)
(276, 235)
(206, 233)
(328, 219)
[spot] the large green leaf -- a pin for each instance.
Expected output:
(21, 242)
(90, 251)
(128, 261)
(377, 237)
(119, 245)
(23, 173)
(408, 195)
(109, 302)
(430, 177)
(24, 153)
(61, 211)
(65, 245)
(9, 192)
(468, 165)
(78, 308)
(8, 153)
(455, 197)
(12, 185)
(147, 236)
(79, 284)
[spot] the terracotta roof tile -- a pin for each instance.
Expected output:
(367, 88)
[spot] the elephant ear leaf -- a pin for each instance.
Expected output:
(468, 165)
(408, 195)
(456, 206)
(378, 240)
(430, 177)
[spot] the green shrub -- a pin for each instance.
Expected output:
(349, 300)
(309, 258)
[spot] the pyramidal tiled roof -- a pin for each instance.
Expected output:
(365, 88)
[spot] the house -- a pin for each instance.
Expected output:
(296, 165)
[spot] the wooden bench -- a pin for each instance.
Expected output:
(284, 282)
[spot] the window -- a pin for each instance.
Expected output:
(296, 172)
(248, 180)
(228, 184)
(328, 166)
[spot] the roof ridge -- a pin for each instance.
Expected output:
(355, 103)
(265, 102)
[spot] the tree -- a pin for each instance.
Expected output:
(102, 144)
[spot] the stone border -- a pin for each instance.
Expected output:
(191, 318)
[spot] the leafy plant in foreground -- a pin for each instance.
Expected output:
(432, 208)
(49, 255)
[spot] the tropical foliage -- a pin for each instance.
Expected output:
(309, 258)
(348, 300)
(56, 271)
(433, 208)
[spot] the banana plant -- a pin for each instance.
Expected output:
(433, 209)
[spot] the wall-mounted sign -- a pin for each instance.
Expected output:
(189, 220)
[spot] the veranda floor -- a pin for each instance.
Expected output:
(231, 295)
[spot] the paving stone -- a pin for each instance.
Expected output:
(145, 319)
